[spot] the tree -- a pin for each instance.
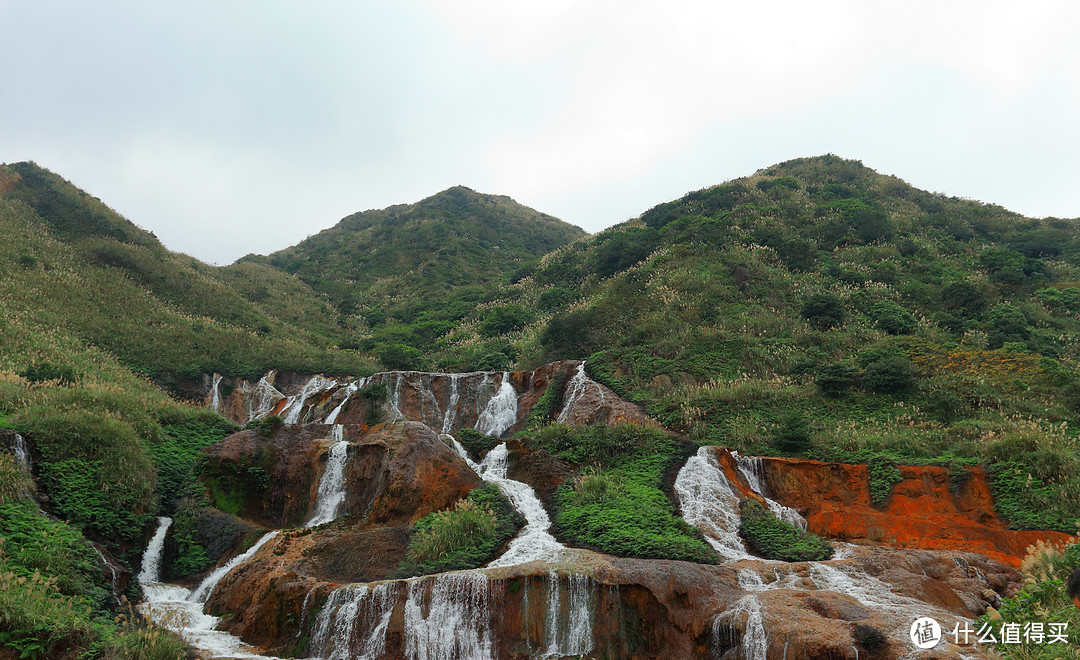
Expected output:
(823, 311)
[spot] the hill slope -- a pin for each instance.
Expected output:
(72, 264)
(818, 307)
(426, 264)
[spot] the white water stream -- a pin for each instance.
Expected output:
(534, 542)
(709, 503)
(500, 413)
(295, 406)
(575, 389)
(331, 493)
(174, 608)
(215, 394)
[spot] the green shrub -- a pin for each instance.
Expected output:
(891, 318)
(505, 319)
(467, 535)
(138, 641)
(836, 379)
(475, 442)
(37, 621)
(40, 372)
(891, 374)
(824, 311)
(884, 474)
(15, 482)
(869, 638)
(773, 538)
(793, 434)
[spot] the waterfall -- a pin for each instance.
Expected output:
(755, 641)
(151, 561)
(350, 389)
(112, 573)
(331, 493)
(295, 406)
(752, 469)
(501, 410)
(534, 542)
(170, 606)
(22, 453)
(451, 407)
(448, 617)
(215, 394)
(353, 622)
(568, 625)
(395, 393)
(576, 389)
(708, 503)
(203, 591)
(263, 399)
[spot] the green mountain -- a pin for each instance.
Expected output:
(815, 308)
(408, 272)
(72, 265)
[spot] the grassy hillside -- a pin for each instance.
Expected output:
(409, 272)
(72, 265)
(818, 307)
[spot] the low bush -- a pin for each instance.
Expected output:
(467, 535)
(773, 538)
(475, 442)
(884, 474)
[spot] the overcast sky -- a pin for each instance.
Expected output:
(235, 127)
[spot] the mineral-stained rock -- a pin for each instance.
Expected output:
(922, 511)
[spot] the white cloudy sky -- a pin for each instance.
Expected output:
(229, 127)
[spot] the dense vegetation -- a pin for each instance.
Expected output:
(616, 503)
(814, 308)
(468, 535)
(773, 538)
(818, 308)
(407, 274)
(1041, 602)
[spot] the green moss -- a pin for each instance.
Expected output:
(773, 538)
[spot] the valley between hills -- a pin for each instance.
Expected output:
(781, 417)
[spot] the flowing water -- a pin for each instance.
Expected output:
(448, 617)
(263, 398)
(295, 407)
(114, 576)
(215, 394)
(202, 593)
(754, 644)
(450, 418)
(568, 623)
(501, 410)
(708, 502)
(331, 493)
(171, 606)
(353, 622)
(534, 542)
(752, 470)
(575, 389)
(22, 454)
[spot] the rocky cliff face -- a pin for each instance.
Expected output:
(327, 591)
(496, 403)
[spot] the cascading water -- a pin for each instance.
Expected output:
(501, 411)
(568, 625)
(450, 418)
(534, 542)
(295, 406)
(448, 617)
(114, 577)
(263, 398)
(169, 606)
(753, 471)
(22, 454)
(215, 394)
(575, 389)
(331, 493)
(353, 622)
(350, 389)
(203, 591)
(755, 641)
(708, 503)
